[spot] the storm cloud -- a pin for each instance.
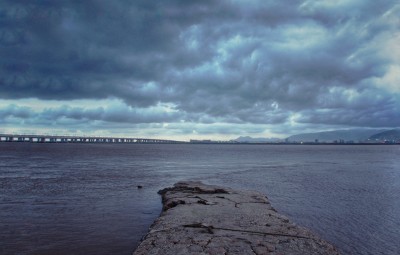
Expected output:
(270, 66)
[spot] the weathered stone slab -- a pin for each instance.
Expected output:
(204, 219)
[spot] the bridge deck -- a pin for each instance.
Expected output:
(77, 139)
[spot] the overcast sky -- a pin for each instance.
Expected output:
(185, 69)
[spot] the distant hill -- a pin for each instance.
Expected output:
(330, 136)
(248, 139)
(390, 135)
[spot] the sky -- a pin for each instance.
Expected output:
(179, 69)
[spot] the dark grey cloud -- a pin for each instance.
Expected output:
(16, 111)
(228, 61)
(115, 114)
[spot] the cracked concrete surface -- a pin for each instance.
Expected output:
(204, 219)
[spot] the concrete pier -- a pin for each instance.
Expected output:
(203, 219)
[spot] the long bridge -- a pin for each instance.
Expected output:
(78, 139)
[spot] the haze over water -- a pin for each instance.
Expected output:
(83, 198)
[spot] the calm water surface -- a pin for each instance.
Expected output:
(82, 198)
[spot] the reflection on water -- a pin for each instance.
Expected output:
(83, 198)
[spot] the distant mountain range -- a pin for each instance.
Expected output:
(248, 139)
(390, 135)
(336, 135)
(354, 135)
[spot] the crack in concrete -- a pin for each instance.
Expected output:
(209, 241)
(239, 203)
(252, 249)
(210, 228)
(236, 203)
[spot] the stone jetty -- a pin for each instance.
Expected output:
(204, 219)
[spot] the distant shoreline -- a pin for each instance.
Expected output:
(199, 143)
(301, 143)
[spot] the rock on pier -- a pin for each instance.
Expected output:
(204, 219)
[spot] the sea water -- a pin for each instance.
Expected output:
(83, 198)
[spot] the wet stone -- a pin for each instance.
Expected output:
(205, 219)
